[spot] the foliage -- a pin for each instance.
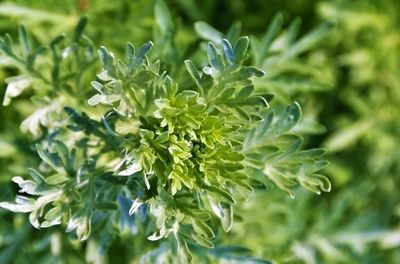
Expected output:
(119, 132)
(181, 154)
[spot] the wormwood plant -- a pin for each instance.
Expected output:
(176, 153)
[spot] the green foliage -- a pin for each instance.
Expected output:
(178, 150)
(183, 156)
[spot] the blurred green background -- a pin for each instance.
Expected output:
(345, 72)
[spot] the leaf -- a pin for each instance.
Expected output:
(347, 136)
(142, 52)
(253, 71)
(214, 58)
(163, 16)
(130, 55)
(202, 241)
(131, 169)
(183, 251)
(265, 125)
(207, 32)
(243, 113)
(80, 27)
(240, 48)
(308, 41)
(234, 31)
(47, 157)
(16, 85)
(289, 118)
(56, 179)
(106, 59)
(135, 206)
(270, 35)
(22, 205)
(202, 228)
(23, 40)
(191, 68)
(36, 176)
(292, 32)
(228, 51)
(97, 86)
(223, 211)
(245, 92)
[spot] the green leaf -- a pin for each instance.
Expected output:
(208, 32)
(221, 194)
(202, 241)
(261, 48)
(36, 176)
(23, 40)
(240, 48)
(106, 59)
(183, 251)
(97, 86)
(253, 71)
(80, 27)
(56, 179)
(228, 51)
(224, 212)
(130, 55)
(50, 159)
(234, 31)
(289, 118)
(245, 92)
(348, 135)
(292, 32)
(23, 205)
(265, 125)
(142, 52)
(163, 16)
(202, 228)
(214, 58)
(15, 86)
(308, 41)
(191, 68)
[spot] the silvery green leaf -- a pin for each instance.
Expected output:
(202, 241)
(142, 52)
(15, 86)
(240, 47)
(228, 51)
(163, 16)
(51, 160)
(41, 117)
(22, 205)
(156, 236)
(202, 228)
(183, 251)
(191, 68)
(131, 169)
(207, 32)
(214, 58)
(98, 86)
(245, 92)
(23, 40)
(289, 118)
(135, 206)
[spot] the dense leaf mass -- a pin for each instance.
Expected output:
(182, 154)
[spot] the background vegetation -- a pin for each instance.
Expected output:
(339, 59)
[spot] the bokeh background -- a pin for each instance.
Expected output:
(343, 67)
